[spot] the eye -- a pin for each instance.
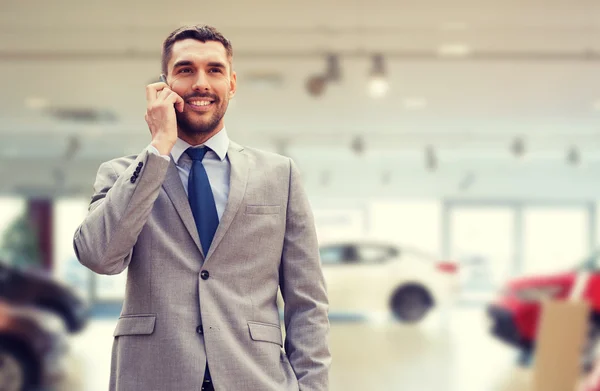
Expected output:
(184, 70)
(215, 70)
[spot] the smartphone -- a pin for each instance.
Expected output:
(163, 79)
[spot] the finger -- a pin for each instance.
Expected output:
(179, 103)
(163, 94)
(176, 100)
(153, 89)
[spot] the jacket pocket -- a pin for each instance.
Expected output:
(265, 332)
(262, 209)
(135, 325)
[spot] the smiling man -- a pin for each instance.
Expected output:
(208, 231)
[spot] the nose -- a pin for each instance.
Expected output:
(201, 82)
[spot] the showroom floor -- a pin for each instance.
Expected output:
(446, 353)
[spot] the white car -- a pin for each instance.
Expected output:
(380, 279)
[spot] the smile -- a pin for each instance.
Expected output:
(200, 104)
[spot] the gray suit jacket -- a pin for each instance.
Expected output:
(265, 240)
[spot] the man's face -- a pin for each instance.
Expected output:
(201, 74)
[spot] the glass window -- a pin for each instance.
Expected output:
(590, 263)
(69, 213)
(554, 238)
(334, 255)
(482, 240)
(10, 209)
(412, 223)
(374, 254)
(334, 224)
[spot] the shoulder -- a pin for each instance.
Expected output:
(266, 155)
(266, 160)
(270, 163)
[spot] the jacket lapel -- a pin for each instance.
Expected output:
(237, 188)
(174, 189)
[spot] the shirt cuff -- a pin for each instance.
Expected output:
(154, 151)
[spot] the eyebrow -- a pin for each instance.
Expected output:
(187, 63)
(182, 63)
(216, 64)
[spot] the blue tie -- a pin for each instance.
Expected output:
(201, 199)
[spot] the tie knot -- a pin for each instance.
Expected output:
(197, 154)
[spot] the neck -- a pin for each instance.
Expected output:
(200, 138)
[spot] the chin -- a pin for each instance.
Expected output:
(195, 124)
(196, 128)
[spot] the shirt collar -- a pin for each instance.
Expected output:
(219, 143)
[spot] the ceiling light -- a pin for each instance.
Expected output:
(378, 87)
(358, 145)
(36, 103)
(316, 85)
(454, 50)
(573, 156)
(333, 72)
(282, 146)
(430, 158)
(378, 82)
(73, 146)
(517, 147)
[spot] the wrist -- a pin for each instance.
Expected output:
(164, 148)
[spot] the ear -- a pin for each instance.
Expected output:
(232, 85)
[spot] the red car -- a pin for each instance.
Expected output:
(516, 312)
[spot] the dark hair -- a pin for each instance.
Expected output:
(199, 32)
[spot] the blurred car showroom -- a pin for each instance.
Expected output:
(450, 152)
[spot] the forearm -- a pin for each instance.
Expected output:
(117, 214)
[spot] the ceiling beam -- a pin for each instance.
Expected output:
(591, 55)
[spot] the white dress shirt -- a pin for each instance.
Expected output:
(215, 162)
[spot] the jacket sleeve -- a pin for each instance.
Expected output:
(304, 293)
(123, 199)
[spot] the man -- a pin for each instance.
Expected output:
(209, 231)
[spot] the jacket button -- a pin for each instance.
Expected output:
(204, 274)
(140, 164)
(136, 174)
(132, 179)
(138, 170)
(200, 330)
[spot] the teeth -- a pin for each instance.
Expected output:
(200, 102)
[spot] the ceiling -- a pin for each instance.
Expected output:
(530, 69)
